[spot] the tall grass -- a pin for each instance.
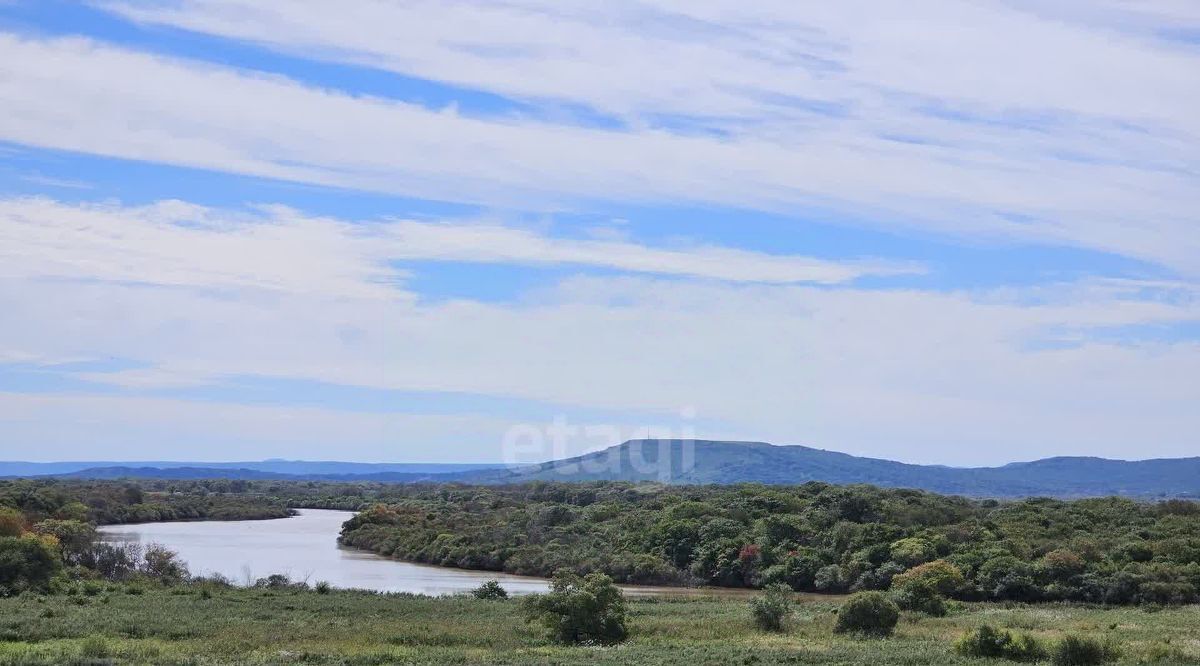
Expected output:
(292, 625)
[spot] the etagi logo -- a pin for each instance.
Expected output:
(661, 452)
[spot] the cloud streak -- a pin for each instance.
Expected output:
(999, 121)
(276, 248)
(1098, 181)
(862, 370)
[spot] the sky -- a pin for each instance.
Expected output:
(964, 233)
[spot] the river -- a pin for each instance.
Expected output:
(305, 547)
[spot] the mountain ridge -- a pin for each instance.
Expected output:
(271, 465)
(720, 462)
(725, 462)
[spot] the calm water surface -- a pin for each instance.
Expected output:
(305, 548)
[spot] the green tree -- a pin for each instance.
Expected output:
(943, 576)
(26, 563)
(588, 609)
(913, 551)
(163, 564)
(75, 538)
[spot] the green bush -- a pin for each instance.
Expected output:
(868, 614)
(94, 647)
(164, 564)
(1078, 651)
(945, 578)
(280, 582)
(992, 643)
(490, 590)
(772, 608)
(920, 596)
(12, 522)
(913, 551)
(579, 610)
(323, 587)
(26, 563)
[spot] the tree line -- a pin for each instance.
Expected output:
(814, 537)
(138, 501)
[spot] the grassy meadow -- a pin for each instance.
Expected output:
(197, 624)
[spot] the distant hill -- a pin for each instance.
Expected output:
(285, 468)
(736, 462)
(123, 472)
(705, 461)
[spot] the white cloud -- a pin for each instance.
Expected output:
(1116, 176)
(728, 60)
(178, 244)
(174, 243)
(950, 377)
(1077, 123)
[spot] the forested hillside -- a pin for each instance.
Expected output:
(814, 537)
(708, 461)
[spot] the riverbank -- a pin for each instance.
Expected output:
(209, 625)
(304, 547)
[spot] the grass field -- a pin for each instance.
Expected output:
(197, 625)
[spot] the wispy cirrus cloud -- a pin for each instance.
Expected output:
(277, 248)
(726, 61)
(1118, 180)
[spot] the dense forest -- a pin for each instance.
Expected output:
(813, 537)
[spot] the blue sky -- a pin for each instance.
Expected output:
(453, 232)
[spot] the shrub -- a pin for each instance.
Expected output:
(829, 579)
(94, 647)
(164, 564)
(913, 551)
(1078, 651)
(490, 590)
(1061, 564)
(579, 610)
(989, 642)
(868, 614)
(26, 563)
(323, 587)
(772, 609)
(111, 561)
(945, 578)
(280, 582)
(12, 522)
(920, 597)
